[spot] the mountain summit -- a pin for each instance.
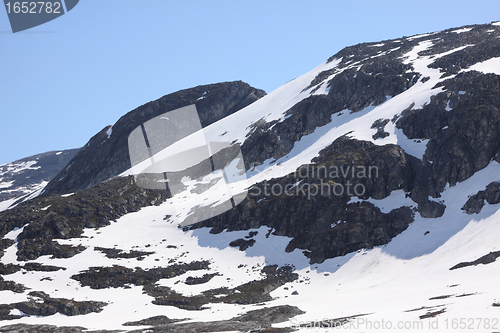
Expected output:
(106, 154)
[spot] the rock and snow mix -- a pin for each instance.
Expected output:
(143, 265)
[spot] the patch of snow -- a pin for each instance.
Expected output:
(489, 66)
(109, 131)
(16, 312)
(45, 208)
(460, 31)
(15, 167)
(6, 204)
(448, 108)
(14, 233)
(67, 195)
(59, 153)
(6, 184)
(419, 36)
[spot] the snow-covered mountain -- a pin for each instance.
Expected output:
(373, 205)
(28, 176)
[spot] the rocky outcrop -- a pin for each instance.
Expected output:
(40, 304)
(4, 244)
(353, 89)
(253, 292)
(106, 156)
(12, 286)
(57, 217)
(120, 254)
(484, 260)
(6, 269)
(476, 202)
(367, 74)
(253, 321)
(26, 328)
(119, 276)
(312, 205)
(462, 125)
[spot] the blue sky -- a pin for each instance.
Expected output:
(64, 81)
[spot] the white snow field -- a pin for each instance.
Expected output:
(387, 287)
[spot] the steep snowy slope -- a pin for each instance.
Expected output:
(414, 251)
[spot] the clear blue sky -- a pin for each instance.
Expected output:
(64, 81)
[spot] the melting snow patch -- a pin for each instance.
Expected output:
(16, 312)
(459, 31)
(67, 195)
(419, 36)
(59, 153)
(6, 184)
(448, 108)
(489, 66)
(45, 208)
(109, 131)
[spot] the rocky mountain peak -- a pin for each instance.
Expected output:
(106, 154)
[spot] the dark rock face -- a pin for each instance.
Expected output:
(204, 279)
(12, 286)
(43, 305)
(153, 321)
(253, 292)
(103, 158)
(65, 217)
(42, 167)
(117, 253)
(484, 260)
(6, 269)
(242, 244)
(25, 328)
(351, 90)
(325, 225)
(119, 276)
(379, 73)
(252, 321)
(462, 123)
(4, 244)
(464, 139)
(476, 202)
(380, 125)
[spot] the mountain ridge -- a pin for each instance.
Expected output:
(418, 244)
